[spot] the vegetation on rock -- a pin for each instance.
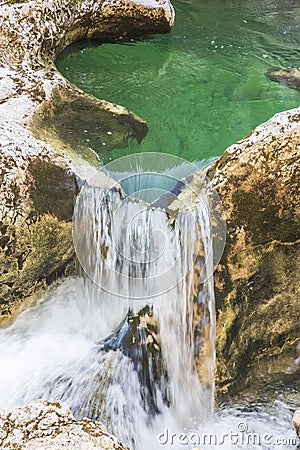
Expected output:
(257, 281)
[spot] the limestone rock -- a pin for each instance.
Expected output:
(296, 421)
(257, 281)
(45, 425)
(289, 77)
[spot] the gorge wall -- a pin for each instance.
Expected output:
(257, 281)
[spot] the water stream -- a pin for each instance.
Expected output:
(120, 341)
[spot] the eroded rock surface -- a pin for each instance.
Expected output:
(32, 92)
(257, 281)
(37, 196)
(43, 425)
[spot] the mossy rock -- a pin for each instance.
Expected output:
(34, 251)
(257, 281)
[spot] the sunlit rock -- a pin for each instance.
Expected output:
(45, 425)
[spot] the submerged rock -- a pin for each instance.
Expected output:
(289, 77)
(80, 122)
(257, 281)
(45, 425)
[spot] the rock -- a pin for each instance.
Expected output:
(296, 421)
(138, 338)
(289, 77)
(257, 281)
(47, 127)
(37, 198)
(45, 425)
(74, 119)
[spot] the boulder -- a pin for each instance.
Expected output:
(51, 426)
(257, 281)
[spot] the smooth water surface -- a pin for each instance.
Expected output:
(201, 87)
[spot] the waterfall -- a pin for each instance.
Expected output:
(157, 267)
(130, 340)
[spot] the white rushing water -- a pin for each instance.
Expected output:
(147, 258)
(117, 342)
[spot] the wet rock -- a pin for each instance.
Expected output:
(289, 77)
(77, 120)
(296, 422)
(257, 281)
(138, 338)
(45, 425)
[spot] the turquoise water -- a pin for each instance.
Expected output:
(201, 87)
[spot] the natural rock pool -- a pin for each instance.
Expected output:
(201, 87)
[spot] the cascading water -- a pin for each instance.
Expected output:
(149, 258)
(130, 340)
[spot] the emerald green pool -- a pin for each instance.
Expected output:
(201, 87)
